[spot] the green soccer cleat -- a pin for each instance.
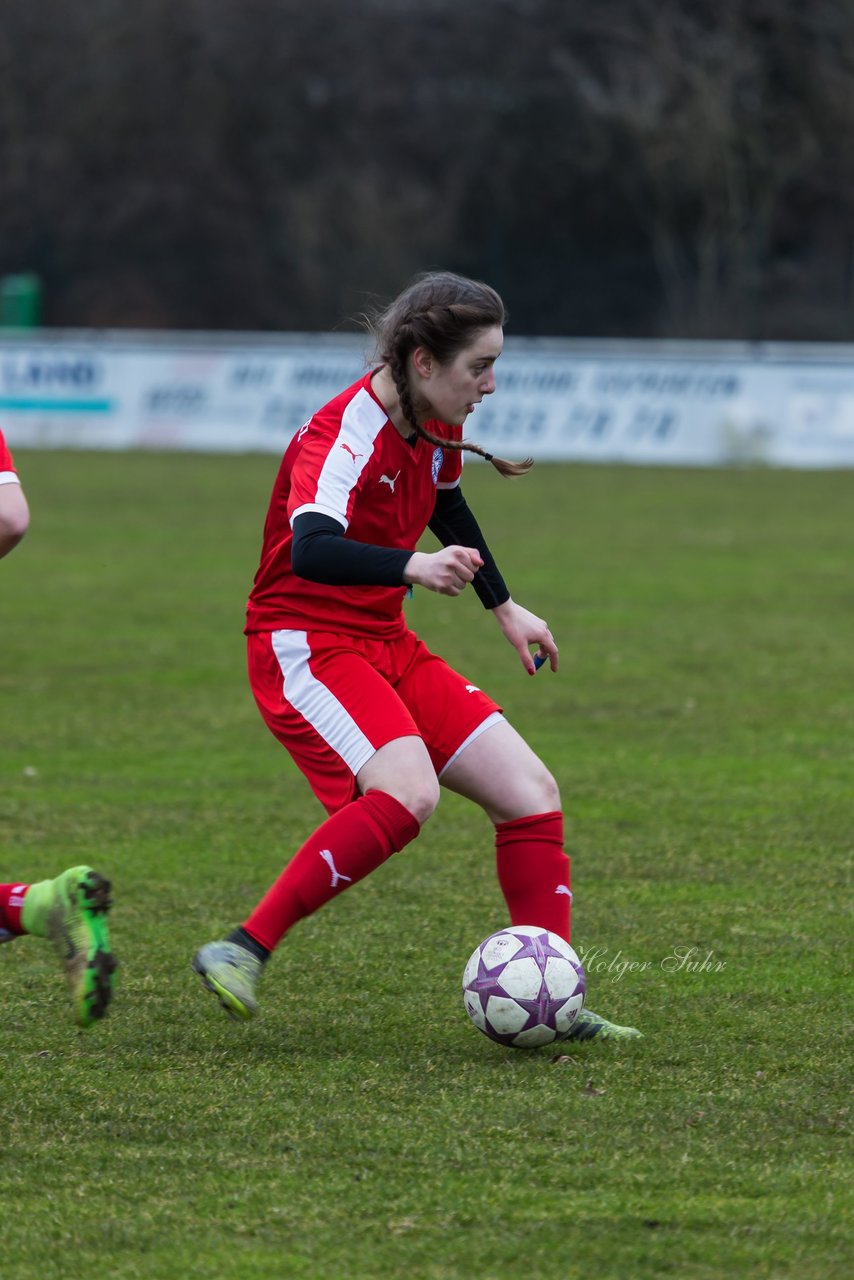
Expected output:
(590, 1026)
(232, 973)
(75, 920)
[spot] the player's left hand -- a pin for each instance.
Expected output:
(522, 629)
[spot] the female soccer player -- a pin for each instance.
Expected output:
(373, 719)
(72, 909)
(14, 512)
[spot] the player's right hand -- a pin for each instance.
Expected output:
(447, 571)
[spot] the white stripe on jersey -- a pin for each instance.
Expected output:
(316, 703)
(361, 423)
(9, 477)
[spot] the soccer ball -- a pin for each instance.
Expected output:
(524, 986)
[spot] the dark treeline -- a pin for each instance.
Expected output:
(629, 167)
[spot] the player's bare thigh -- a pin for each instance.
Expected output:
(403, 769)
(501, 773)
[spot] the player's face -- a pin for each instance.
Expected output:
(451, 391)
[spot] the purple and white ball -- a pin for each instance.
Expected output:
(524, 986)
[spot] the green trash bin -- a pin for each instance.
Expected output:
(20, 301)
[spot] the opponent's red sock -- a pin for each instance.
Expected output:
(343, 850)
(11, 902)
(533, 871)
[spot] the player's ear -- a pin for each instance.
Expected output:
(423, 361)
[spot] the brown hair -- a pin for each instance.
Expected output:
(442, 312)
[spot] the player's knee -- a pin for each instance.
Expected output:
(14, 517)
(418, 794)
(550, 793)
(12, 529)
(423, 799)
(536, 793)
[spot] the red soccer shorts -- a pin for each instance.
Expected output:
(333, 700)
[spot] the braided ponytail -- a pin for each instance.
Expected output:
(442, 312)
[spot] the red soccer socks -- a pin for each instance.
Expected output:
(533, 871)
(342, 851)
(11, 903)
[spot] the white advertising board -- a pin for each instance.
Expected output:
(680, 404)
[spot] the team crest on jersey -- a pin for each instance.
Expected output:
(438, 459)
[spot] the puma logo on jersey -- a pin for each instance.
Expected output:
(472, 688)
(353, 455)
(389, 480)
(563, 888)
(337, 877)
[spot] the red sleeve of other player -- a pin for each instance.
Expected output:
(6, 463)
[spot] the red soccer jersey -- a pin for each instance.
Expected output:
(7, 466)
(351, 463)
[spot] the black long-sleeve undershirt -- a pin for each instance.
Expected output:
(321, 553)
(453, 522)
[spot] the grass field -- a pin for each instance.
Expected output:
(701, 729)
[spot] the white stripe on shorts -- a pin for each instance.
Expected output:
(326, 715)
(475, 733)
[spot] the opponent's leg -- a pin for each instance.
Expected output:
(71, 910)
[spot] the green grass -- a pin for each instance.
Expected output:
(700, 728)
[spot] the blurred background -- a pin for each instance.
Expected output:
(633, 168)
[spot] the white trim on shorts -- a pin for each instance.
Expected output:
(9, 477)
(490, 720)
(310, 697)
